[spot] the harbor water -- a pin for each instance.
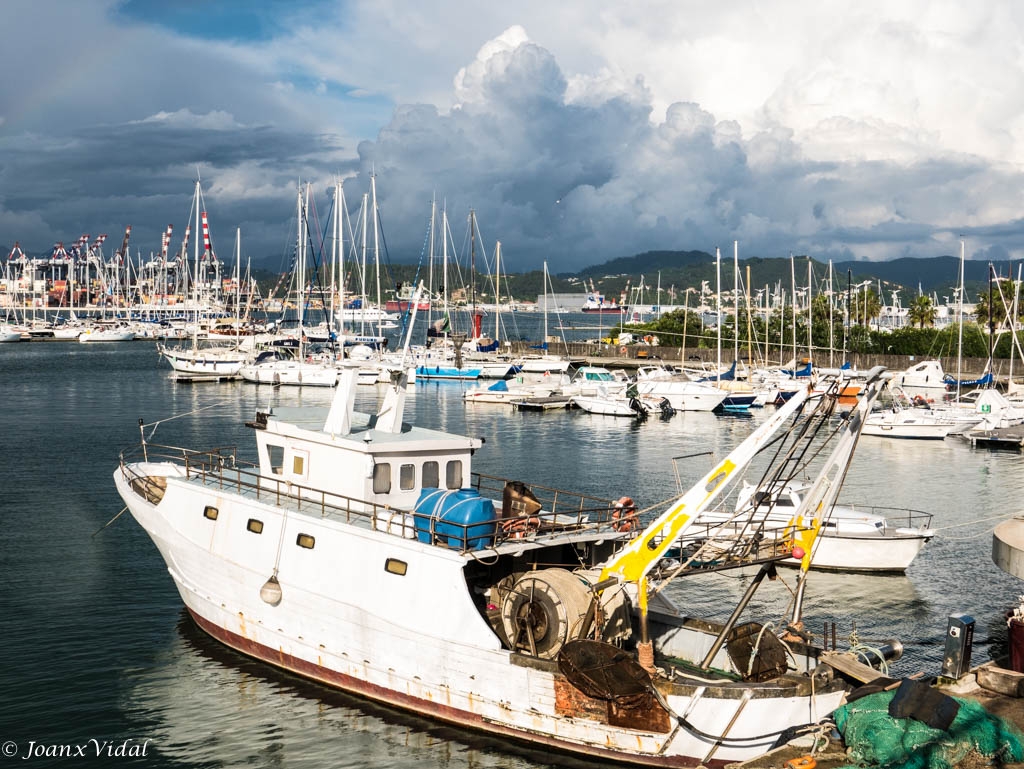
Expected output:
(98, 646)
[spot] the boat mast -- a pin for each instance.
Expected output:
(718, 313)
(376, 255)
(238, 282)
(430, 262)
(444, 261)
(195, 282)
(335, 277)
(497, 287)
(545, 345)
(792, 275)
(960, 335)
(300, 248)
(362, 276)
(810, 289)
(736, 300)
(472, 264)
(831, 328)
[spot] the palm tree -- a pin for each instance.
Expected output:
(866, 305)
(997, 314)
(922, 312)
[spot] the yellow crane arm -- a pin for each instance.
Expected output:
(636, 559)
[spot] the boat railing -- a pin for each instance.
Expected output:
(897, 517)
(562, 512)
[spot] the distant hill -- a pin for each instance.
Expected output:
(938, 274)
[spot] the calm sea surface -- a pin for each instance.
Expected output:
(97, 645)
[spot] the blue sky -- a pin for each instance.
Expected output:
(577, 131)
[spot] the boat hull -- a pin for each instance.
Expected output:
(684, 396)
(867, 554)
(290, 373)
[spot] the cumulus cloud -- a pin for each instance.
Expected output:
(577, 133)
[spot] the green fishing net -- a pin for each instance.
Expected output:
(874, 738)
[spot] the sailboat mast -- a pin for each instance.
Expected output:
(497, 287)
(960, 319)
(376, 254)
(718, 312)
(810, 290)
(736, 300)
(444, 261)
(334, 256)
(545, 346)
(472, 263)
(195, 282)
(430, 260)
(300, 247)
(831, 327)
(792, 276)
(238, 281)
(362, 275)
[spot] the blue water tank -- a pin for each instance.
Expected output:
(461, 519)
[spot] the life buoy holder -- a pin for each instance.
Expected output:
(803, 762)
(624, 516)
(520, 526)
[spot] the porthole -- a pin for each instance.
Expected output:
(305, 540)
(394, 566)
(255, 526)
(210, 512)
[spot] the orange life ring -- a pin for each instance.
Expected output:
(624, 516)
(622, 350)
(520, 526)
(803, 762)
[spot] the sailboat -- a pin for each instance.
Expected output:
(273, 367)
(544, 363)
(209, 361)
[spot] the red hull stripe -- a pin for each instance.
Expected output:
(429, 708)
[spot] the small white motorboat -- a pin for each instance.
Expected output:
(611, 405)
(108, 334)
(903, 420)
(851, 539)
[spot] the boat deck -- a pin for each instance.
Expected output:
(563, 516)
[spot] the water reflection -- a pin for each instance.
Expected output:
(208, 706)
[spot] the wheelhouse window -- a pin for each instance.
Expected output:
(298, 465)
(382, 478)
(305, 540)
(210, 512)
(255, 526)
(276, 456)
(407, 477)
(453, 474)
(431, 475)
(394, 566)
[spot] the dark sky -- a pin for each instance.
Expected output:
(578, 132)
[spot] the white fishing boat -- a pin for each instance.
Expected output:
(9, 333)
(863, 539)
(532, 616)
